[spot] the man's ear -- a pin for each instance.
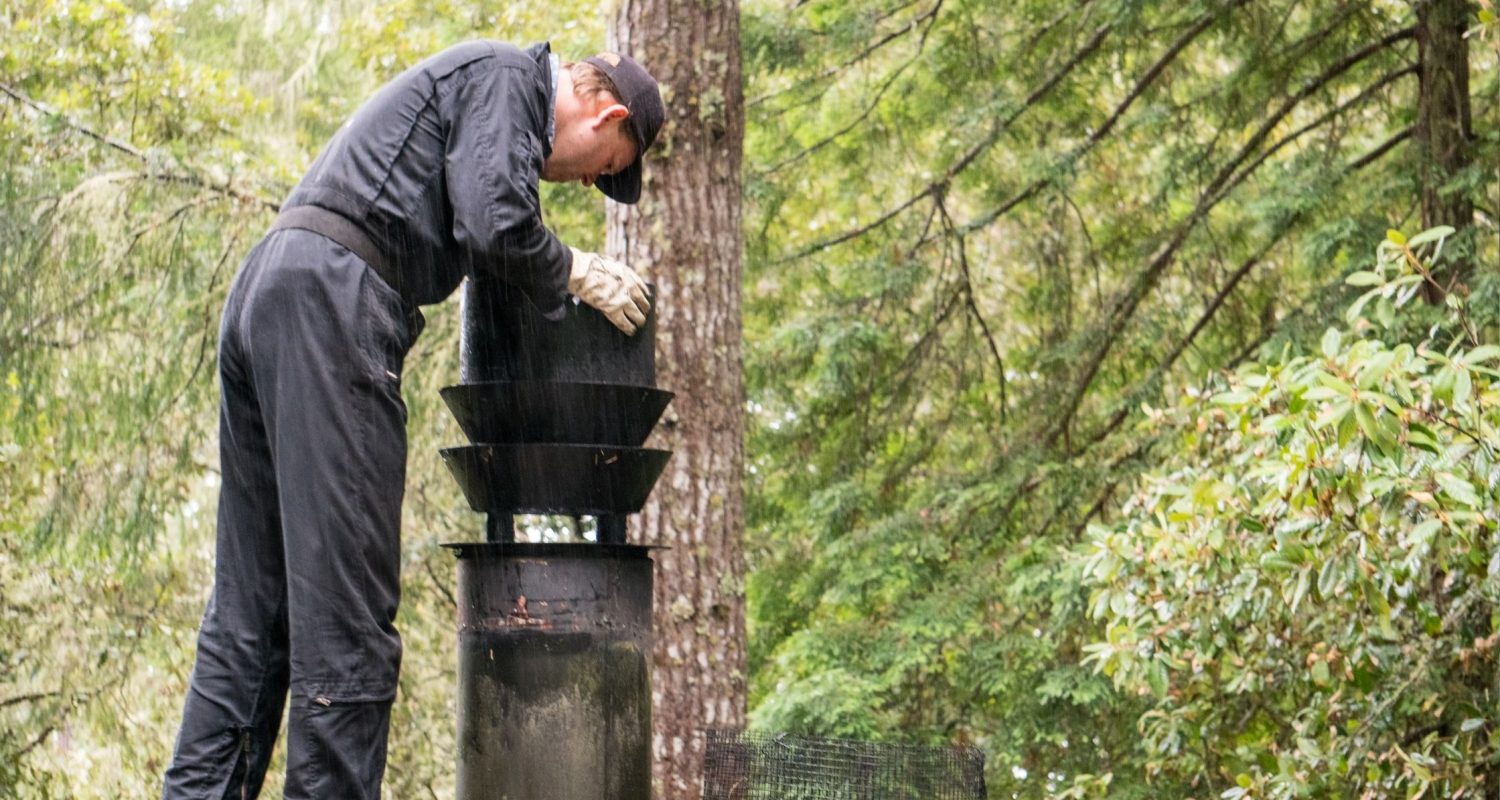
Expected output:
(611, 113)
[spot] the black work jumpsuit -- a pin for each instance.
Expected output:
(440, 169)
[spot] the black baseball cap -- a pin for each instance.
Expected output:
(638, 93)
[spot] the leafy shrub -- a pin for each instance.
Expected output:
(1306, 589)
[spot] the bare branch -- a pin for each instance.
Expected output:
(1384, 147)
(441, 585)
(27, 698)
(41, 737)
(973, 306)
(1323, 119)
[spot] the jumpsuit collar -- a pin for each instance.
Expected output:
(553, 64)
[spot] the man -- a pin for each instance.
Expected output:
(434, 178)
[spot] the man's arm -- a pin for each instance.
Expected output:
(493, 161)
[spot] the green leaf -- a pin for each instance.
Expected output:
(1443, 384)
(1335, 414)
(1328, 579)
(1422, 439)
(1348, 426)
(1335, 383)
(1323, 393)
(1423, 532)
(1331, 340)
(1352, 314)
(1429, 235)
(1463, 386)
(1233, 399)
(1366, 420)
(1481, 354)
(1458, 489)
(1304, 582)
(1275, 562)
(1376, 368)
(1364, 278)
(1395, 237)
(1320, 672)
(1385, 312)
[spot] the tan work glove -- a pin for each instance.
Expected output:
(610, 286)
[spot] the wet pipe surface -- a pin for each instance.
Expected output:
(556, 409)
(554, 671)
(555, 641)
(561, 716)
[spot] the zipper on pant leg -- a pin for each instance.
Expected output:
(244, 758)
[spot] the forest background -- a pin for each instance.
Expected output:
(1104, 407)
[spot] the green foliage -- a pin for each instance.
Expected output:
(988, 247)
(981, 238)
(142, 149)
(1305, 588)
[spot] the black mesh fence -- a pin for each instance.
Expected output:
(743, 766)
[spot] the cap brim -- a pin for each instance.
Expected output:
(623, 186)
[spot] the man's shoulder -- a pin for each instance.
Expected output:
(498, 53)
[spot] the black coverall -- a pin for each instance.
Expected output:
(440, 169)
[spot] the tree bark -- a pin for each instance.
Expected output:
(684, 236)
(1443, 129)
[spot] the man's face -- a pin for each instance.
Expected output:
(594, 143)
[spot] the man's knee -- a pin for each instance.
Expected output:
(337, 743)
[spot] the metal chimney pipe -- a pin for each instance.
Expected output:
(554, 672)
(554, 698)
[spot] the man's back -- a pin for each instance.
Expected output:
(440, 168)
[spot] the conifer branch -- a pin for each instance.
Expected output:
(190, 177)
(1253, 261)
(841, 132)
(929, 16)
(1152, 74)
(1036, 95)
(1233, 283)
(1129, 301)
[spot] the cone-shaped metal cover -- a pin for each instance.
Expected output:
(510, 412)
(556, 478)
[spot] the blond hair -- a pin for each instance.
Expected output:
(589, 82)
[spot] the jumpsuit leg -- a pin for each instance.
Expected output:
(324, 339)
(233, 708)
(327, 339)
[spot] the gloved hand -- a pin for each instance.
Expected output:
(611, 287)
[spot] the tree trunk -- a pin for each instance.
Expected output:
(684, 236)
(1443, 131)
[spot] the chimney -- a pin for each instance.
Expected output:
(554, 699)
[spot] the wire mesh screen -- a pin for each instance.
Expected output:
(743, 766)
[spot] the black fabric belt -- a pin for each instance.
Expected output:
(344, 232)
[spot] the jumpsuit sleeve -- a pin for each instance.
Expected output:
(493, 161)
